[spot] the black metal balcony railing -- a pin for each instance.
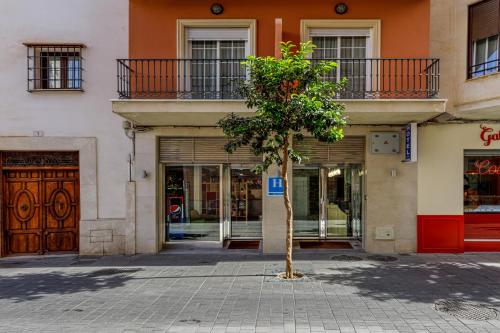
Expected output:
(222, 78)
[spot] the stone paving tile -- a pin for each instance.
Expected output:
(240, 293)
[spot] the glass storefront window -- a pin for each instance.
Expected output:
(192, 202)
(327, 201)
(246, 204)
(343, 201)
(482, 195)
(482, 184)
(306, 208)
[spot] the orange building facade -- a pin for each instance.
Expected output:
(182, 75)
(404, 33)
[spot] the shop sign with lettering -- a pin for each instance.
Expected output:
(485, 167)
(488, 135)
(411, 142)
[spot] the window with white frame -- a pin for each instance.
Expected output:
(349, 48)
(215, 56)
(484, 30)
(485, 56)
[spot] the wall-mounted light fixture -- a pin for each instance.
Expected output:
(144, 174)
(334, 172)
(217, 9)
(341, 8)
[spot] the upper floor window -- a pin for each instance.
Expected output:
(215, 56)
(484, 30)
(54, 67)
(349, 48)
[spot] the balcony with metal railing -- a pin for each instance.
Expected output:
(209, 79)
(187, 92)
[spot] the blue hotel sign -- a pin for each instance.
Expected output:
(411, 143)
(275, 186)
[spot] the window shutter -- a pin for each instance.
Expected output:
(202, 150)
(176, 150)
(484, 19)
(351, 149)
(217, 33)
(209, 150)
(328, 32)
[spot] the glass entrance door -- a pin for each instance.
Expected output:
(246, 204)
(193, 208)
(327, 201)
(306, 202)
(342, 204)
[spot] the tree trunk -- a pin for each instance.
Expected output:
(289, 213)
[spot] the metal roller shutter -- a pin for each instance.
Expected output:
(202, 150)
(176, 150)
(217, 33)
(350, 150)
(484, 19)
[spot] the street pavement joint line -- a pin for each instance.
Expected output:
(260, 294)
(225, 296)
(330, 305)
(190, 298)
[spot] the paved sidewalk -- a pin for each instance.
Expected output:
(238, 292)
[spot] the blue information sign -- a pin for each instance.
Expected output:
(408, 143)
(411, 143)
(275, 186)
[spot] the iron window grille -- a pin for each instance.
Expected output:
(55, 67)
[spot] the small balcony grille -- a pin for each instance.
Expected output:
(54, 67)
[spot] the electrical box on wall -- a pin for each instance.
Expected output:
(384, 233)
(385, 142)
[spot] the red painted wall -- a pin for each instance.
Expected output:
(482, 226)
(405, 24)
(440, 233)
(485, 227)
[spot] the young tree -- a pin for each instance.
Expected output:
(291, 98)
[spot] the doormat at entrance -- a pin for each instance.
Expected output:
(244, 245)
(325, 245)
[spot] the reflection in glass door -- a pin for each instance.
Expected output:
(192, 202)
(246, 204)
(343, 202)
(306, 205)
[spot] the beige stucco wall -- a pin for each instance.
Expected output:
(441, 165)
(390, 201)
(477, 98)
(66, 118)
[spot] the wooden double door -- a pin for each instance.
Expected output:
(41, 210)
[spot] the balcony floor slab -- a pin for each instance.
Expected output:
(171, 112)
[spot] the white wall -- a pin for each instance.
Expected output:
(102, 25)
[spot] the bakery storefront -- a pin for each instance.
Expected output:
(459, 188)
(482, 198)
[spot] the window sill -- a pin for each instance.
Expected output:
(472, 79)
(54, 90)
